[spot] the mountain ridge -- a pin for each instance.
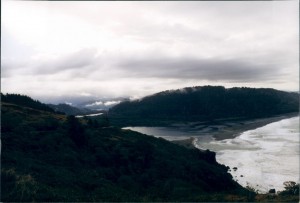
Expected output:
(205, 103)
(71, 110)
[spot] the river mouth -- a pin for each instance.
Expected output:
(170, 133)
(262, 158)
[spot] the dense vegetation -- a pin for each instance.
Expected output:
(205, 103)
(51, 157)
(25, 101)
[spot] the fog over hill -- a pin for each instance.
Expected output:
(88, 107)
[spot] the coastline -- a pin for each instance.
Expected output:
(188, 143)
(239, 127)
(250, 163)
(231, 129)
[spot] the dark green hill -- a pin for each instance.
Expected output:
(65, 108)
(205, 103)
(51, 157)
(25, 101)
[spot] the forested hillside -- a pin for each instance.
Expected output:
(51, 157)
(25, 101)
(205, 103)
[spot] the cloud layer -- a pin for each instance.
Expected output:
(137, 48)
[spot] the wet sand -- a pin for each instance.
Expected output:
(229, 129)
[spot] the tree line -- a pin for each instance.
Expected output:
(208, 103)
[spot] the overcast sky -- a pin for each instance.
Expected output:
(111, 49)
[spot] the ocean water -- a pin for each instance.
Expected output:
(265, 157)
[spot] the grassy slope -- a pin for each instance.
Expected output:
(41, 162)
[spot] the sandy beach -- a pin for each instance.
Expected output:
(229, 129)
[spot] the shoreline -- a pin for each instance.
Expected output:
(242, 126)
(239, 168)
(187, 143)
(232, 129)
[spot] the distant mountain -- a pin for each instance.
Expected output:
(92, 102)
(205, 103)
(71, 110)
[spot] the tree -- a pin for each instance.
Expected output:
(291, 188)
(76, 131)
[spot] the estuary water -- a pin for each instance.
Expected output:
(168, 133)
(264, 158)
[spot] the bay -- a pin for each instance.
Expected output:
(265, 157)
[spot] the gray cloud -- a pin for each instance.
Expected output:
(87, 64)
(200, 69)
(76, 60)
(5, 73)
